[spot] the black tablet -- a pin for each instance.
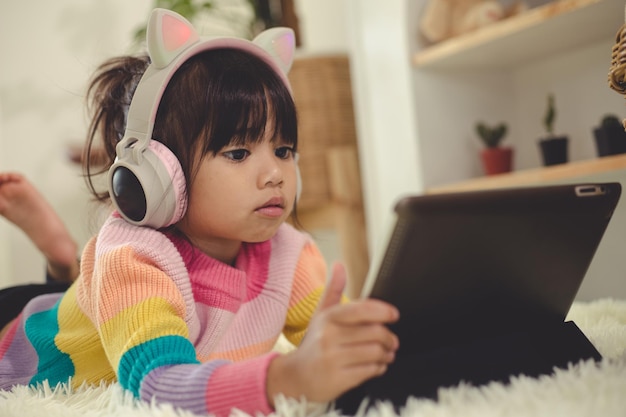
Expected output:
(472, 264)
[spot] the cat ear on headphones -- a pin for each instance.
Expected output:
(168, 34)
(280, 43)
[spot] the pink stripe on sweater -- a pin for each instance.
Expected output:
(7, 339)
(254, 260)
(241, 383)
(150, 244)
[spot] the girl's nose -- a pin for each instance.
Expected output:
(271, 173)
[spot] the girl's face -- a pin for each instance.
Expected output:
(241, 194)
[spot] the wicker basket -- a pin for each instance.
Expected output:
(323, 96)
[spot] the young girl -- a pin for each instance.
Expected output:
(192, 279)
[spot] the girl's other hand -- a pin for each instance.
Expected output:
(345, 345)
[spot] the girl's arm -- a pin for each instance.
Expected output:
(142, 315)
(345, 345)
(308, 287)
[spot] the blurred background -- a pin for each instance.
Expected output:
(410, 104)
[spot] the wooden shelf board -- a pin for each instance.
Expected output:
(540, 32)
(571, 170)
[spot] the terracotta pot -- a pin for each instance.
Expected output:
(497, 160)
(554, 150)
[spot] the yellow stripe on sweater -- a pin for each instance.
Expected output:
(309, 276)
(299, 316)
(307, 289)
(306, 293)
(79, 339)
(147, 320)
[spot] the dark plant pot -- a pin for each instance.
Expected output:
(554, 150)
(610, 141)
(497, 160)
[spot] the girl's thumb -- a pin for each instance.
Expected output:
(334, 289)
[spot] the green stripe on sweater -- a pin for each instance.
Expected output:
(55, 366)
(139, 361)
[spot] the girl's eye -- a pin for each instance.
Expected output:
(237, 154)
(284, 152)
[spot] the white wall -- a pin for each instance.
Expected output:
(323, 25)
(5, 262)
(48, 51)
(382, 79)
(579, 82)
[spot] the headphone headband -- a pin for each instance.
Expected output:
(172, 40)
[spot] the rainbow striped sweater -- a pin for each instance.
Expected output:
(168, 322)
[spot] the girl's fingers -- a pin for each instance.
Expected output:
(359, 365)
(349, 336)
(363, 311)
(367, 353)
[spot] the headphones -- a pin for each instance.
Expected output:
(146, 181)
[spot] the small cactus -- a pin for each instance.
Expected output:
(610, 136)
(491, 136)
(611, 121)
(548, 118)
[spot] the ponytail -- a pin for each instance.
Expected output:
(108, 98)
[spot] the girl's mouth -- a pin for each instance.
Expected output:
(274, 207)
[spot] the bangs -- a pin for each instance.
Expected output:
(250, 98)
(220, 98)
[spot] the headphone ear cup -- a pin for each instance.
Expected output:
(151, 192)
(178, 184)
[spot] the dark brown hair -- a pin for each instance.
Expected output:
(216, 98)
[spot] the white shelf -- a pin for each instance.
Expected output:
(564, 172)
(551, 29)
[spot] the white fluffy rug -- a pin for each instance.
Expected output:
(585, 389)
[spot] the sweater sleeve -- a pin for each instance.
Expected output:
(307, 289)
(140, 306)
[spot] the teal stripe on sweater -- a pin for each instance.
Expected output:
(139, 361)
(55, 366)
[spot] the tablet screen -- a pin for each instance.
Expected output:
(469, 264)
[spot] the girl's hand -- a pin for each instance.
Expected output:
(345, 345)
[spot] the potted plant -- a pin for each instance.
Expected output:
(496, 159)
(610, 136)
(553, 147)
(246, 19)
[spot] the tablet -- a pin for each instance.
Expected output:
(472, 264)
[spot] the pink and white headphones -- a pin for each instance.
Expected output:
(146, 182)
